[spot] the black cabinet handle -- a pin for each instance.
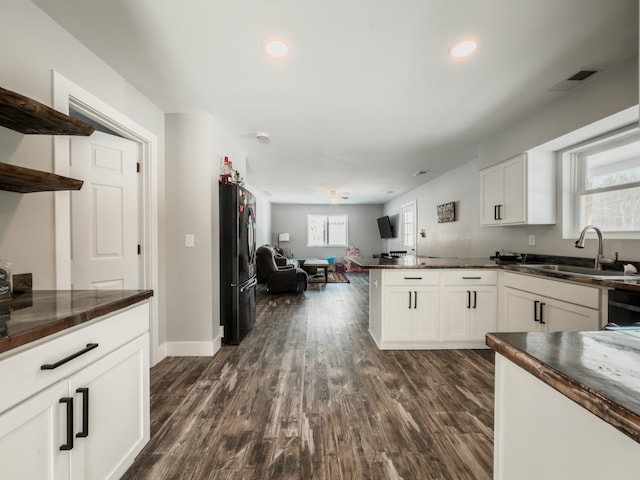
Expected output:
(542, 313)
(413, 278)
(535, 311)
(409, 299)
(472, 278)
(475, 299)
(69, 444)
(468, 299)
(499, 212)
(495, 212)
(51, 366)
(415, 299)
(85, 413)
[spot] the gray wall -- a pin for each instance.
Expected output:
(611, 93)
(363, 229)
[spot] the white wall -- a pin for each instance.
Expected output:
(33, 46)
(615, 91)
(292, 218)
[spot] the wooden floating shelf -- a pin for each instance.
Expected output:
(26, 115)
(26, 180)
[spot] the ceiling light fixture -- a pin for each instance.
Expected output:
(421, 172)
(463, 49)
(276, 48)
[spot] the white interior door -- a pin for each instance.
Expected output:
(409, 227)
(104, 213)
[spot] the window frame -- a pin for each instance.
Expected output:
(326, 230)
(574, 180)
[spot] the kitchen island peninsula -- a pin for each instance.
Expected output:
(431, 303)
(567, 405)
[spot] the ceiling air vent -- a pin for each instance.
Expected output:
(574, 80)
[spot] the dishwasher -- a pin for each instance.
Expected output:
(624, 310)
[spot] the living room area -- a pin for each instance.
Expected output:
(317, 239)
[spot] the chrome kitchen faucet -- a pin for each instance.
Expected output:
(600, 258)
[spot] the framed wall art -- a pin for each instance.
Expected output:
(446, 212)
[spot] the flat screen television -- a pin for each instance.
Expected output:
(385, 227)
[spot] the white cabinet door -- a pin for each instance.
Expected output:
(520, 311)
(116, 391)
(424, 316)
(490, 195)
(514, 186)
(484, 312)
(468, 313)
(560, 316)
(398, 312)
(31, 435)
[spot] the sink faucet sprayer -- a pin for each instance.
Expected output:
(600, 258)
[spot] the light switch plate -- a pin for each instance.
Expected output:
(532, 239)
(189, 240)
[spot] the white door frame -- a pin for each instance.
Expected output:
(67, 94)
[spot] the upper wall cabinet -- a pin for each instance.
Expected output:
(519, 191)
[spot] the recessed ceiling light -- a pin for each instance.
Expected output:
(463, 48)
(276, 48)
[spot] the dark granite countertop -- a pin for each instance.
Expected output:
(597, 370)
(413, 262)
(34, 315)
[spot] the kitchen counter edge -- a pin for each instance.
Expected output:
(611, 401)
(49, 318)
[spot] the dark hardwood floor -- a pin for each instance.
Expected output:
(307, 395)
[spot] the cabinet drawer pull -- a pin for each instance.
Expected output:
(51, 366)
(472, 278)
(413, 278)
(69, 444)
(85, 412)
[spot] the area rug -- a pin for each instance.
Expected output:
(334, 277)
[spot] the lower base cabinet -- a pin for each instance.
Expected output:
(88, 426)
(541, 434)
(468, 313)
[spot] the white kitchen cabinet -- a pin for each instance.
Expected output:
(541, 434)
(412, 312)
(469, 307)
(104, 392)
(519, 191)
(409, 302)
(531, 304)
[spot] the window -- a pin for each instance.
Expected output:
(606, 184)
(327, 230)
(409, 227)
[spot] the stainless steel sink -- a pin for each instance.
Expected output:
(582, 272)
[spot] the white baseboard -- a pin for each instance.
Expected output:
(193, 349)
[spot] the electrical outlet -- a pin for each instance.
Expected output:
(532, 240)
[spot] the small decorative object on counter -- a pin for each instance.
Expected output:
(225, 171)
(5, 279)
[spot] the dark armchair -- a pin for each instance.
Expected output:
(279, 278)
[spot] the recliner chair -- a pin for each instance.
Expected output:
(279, 279)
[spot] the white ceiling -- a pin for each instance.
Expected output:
(368, 94)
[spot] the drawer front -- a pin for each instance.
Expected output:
(22, 373)
(418, 276)
(463, 276)
(565, 291)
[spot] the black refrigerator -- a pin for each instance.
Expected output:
(237, 262)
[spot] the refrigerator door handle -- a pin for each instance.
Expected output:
(252, 283)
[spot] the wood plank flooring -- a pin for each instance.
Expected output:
(307, 395)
